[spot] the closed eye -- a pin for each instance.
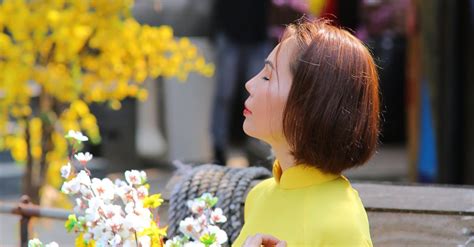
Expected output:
(265, 78)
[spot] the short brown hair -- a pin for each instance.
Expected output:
(331, 118)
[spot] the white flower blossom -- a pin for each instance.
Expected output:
(127, 194)
(114, 224)
(217, 216)
(194, 244)
(137, 218)
(83, 178)
(52, 244)
(105, 222)
(141, 211)
(134, 222)
(103, 239)
(104, 188)
(142, 192)
(37, 243)
(86, 192)
(80, 205)
(135, 177)
(220, 234)
(129, 208)
(196, 206)
(34, 243)
(91, 216)
(207, 196)
(83, 157)
(95, 203)
(144, 241)
(202, 220)
(129, 243)
(174, 242)
(202, 223)
(71, 187)
(77, 135)
(101, 235)
(124, 232)
(116, 240)
(190, 227)
(66, 170)
(111, 210)
(95, 206)
(97, 231)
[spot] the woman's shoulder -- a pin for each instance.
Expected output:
(339, 209)
(263, 185)
(337, 188)
(261, 189)
(336, 201)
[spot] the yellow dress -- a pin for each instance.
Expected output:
(306, 207)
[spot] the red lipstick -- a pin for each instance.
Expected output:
(247, 111)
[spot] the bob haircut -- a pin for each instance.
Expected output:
(331, 118)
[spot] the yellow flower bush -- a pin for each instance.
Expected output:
(58, 56)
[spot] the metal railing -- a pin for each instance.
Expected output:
(26, 210)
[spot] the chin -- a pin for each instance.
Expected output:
(247, 128)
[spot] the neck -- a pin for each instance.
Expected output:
(282, 154)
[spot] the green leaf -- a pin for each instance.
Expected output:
(212, 202)
(208, 239)
(71, 223)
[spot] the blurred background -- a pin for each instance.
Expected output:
(424, 50)
(425, 55)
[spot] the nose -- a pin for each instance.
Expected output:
(248, 85)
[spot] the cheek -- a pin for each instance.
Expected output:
(268, 103)
(276, 118)
(266, 120)
(256, 125)
(278, 103)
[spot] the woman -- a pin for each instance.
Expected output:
(316, 102)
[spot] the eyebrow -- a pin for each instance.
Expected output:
(270, 63)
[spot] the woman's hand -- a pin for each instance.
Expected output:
(263, 239)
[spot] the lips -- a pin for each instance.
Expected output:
(247, 111)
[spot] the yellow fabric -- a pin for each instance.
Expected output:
(306, 207)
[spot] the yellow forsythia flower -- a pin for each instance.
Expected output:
(67, 54)
(80, 242)
(152, 201)
(155, 233)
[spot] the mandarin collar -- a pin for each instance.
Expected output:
(300, 176)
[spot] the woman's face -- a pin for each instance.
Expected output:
(268, 94)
